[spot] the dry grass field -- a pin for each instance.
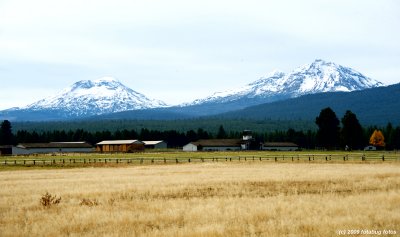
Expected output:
(203, 199)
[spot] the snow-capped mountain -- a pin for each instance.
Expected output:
(108, 95)
(94, 97)
(319, 76)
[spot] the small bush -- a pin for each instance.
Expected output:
(47, 200)
(88, 202)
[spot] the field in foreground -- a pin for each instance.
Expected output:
(203, 199)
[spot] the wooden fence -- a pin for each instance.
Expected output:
(149, 160)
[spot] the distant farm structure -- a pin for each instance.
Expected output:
(246, 143)
(279, 146)
(155, 144)
(214, 145)
(120, 146)
(52, 147)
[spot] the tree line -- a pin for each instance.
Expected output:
(351, 135)
(330, 135)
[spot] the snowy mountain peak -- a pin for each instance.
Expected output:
(93, 97)
(107, 82)
(276, 73)
(319, 76)
(106, 79)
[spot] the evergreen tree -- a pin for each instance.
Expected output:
(6, 136)
(389, 133)
(328, 129)
(221, 133)
(352, 132)
(396, 138)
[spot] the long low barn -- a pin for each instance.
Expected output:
(280, 146)
(120, 146)
(52, 147)
(155, 144)
(214, 145)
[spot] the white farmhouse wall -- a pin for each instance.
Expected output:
(190, 147)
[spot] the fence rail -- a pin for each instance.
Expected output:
(168, 160)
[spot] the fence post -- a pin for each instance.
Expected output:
(309, 158)
(292, 158)
(276, 159)
(383, 157)
(344, 158)
(24, 162)
(326, 158)
(165, 160)
(15, 162)
(176, 161)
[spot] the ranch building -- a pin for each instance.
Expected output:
(155, 144)
(5, 150)
(120, 146)
(52, 147)
(214, 145)
(280, 146)
(246, 143)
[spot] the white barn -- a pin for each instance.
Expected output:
(214, 145)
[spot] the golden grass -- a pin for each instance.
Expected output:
(203, 199)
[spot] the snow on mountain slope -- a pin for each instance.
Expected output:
(319, 76)
(93, 97)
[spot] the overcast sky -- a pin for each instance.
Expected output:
(178, 51)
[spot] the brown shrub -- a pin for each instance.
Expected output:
(88, 202)
(48, 200)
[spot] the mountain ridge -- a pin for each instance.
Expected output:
(106, 96)
(369, 111)
(307, 107)
(319, 76)
(91, 97)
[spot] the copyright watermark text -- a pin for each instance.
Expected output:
(366, 232)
